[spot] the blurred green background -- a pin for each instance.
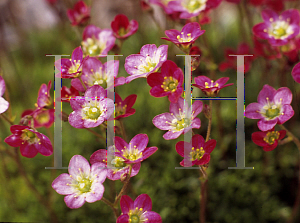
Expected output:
(265, 194)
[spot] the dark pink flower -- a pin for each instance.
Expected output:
(269, 139)
(97, 42)
(96, 73)
(192, 8)
(136, 151)
(91, 109)
(278, 29)
(148, 61)
(264, 49)
(177, 121)
(231, 61)
(296, 73)
(121, 168)
(167, 83)
(44, 99)
(71, 68)
(198, 150)
(195, 50)
(68, 93)
(209, 87)
(30, 141)
(80, 14)
(82, 184)
(124, 108)
(273, 107)
(291, 50)
(122, 28)
(3, 103)
(41, 117)
(138, 211)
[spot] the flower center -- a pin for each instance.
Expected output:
(207, 85)
(271, 110)
(280, 29)
(98, 78)
(132, 153)
(43, 117)
(119, 109)
(195, 5)
(118, 162)
(197, 154)
(136, 215)
(134, 219)
(84, 185)
(29, 136)
(184, 39)
(90, 47)
(122, 31)
(271, 137)
(75, 67)
(147, 65)
(183, 123)
(92, 112)
(169, 84)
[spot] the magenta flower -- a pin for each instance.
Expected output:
(80, 14)
(82, 184)
(41, 117)
(138, 211)
(295, 73)
(97, 42)
(135, 151)
(177, 121)
(198, 150)
(92, 109)
(278, 30)
(273, 107)
(71, 68)
(96, 73)
(122, 28)
(148, 61)
(121, 168)
(68, 93)
(44, 98)
(124, 108)
(167, 83)
(3, 103)
(30, 141)
(192, 8)
(186, 37)
(268, 140)
(209, 87)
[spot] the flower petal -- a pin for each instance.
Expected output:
(143, 201)
(73, 201)
(126, 204)
(60, 184)
(78, 165)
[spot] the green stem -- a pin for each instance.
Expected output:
(6, 118)
(124, 186)
(110, 204)
(209, 121)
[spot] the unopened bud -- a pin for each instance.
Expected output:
(124, 177)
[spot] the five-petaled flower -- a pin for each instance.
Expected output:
(122, 28)
(273, 107)
(209, 87)
(92, 109)
(168, 82)
(148, 61)
(71, 68)
(185, 38)
(138, 211)
(30, 141)
(278, 29)
(197, 152)
(80, 14)
(82, 184)
(136, 151)
(118, 167)
(124, 108)
(3, 103)
(178, 121)
(269, 139)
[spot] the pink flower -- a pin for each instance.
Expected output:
(185, 38)
(121, 168)
(97, 42)
(135, 151)
(68, 93)
(138, 211)
(3, 103)
(82, 184)
(80, 14)
(269, 139)
(278, 30)
(124, 108)
(30, 141)
(44, 98)
(71, 68)
(264, 49)
(177, 121)
(198, 150)
(273, 107)
(192, 8)
(296, 73)
(96, 73)
(148, 61)
(122, 28)
(92, 109)
(209, 87)
(41, 117)
(167, 83)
